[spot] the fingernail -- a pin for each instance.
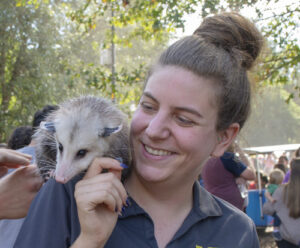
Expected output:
(123, 209)
(127, 202)
(116, 209)
(124, 166)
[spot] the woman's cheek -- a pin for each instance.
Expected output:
(138, 122)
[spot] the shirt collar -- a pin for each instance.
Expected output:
(204, 205)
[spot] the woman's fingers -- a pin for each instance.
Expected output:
(109, 179)
(100, 189)
(100, 164)
(103, 195)
(13, 159)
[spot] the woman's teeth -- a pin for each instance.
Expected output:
(157, 152)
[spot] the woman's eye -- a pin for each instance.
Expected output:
(81, 153)
(60, 147)
(147, 106)
(184, 121)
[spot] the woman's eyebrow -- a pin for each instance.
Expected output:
(148, 94)
(189, 110)
(185, 109)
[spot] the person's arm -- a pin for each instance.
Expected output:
(242, 155)
(17, 191)
(244, 159)
(269, 197)
(248, 174)
(237, 167)
(99, 199)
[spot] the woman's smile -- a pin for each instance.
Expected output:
(157, 152)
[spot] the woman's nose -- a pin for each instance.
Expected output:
(158, 127)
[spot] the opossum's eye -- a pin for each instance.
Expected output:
(81, 153)
(60, 147)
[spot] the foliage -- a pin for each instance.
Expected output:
(131, 26)
(149, 19)
(31, 63)
(51, 50)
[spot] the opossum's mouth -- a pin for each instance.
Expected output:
(157, 152)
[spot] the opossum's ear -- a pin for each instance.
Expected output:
(49, 126)
(110, 130)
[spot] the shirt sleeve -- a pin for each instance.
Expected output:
(233, 164)
(50, 220)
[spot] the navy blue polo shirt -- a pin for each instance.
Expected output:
(52, 222)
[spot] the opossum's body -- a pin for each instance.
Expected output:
(80, 130)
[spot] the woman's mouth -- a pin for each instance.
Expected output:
(157, 152)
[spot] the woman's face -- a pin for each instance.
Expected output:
(173, 130)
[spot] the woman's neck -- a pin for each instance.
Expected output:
(159, 193)
(167, 205)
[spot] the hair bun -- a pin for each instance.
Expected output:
(235, 34)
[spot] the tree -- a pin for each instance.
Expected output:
(32, 63)
(132, 25)
(54, 57)
(63, 45)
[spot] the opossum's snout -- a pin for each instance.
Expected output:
(64, 172)
(61, 179)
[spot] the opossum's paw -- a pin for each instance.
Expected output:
(48, 175)
(52, 174)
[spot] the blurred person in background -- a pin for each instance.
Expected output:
(263, 180)
(287, 207)
(20, 137)
(287, 175)
(227, 176)
(275, 179)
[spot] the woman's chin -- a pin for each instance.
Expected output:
(151, 174)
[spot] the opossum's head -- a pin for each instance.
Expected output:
(80, 137)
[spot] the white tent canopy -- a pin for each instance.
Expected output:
(270, 149)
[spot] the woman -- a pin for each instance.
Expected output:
(195, 101)
(287, 208)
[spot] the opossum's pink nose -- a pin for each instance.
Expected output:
(61, 179)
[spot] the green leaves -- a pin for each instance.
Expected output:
(148, 19)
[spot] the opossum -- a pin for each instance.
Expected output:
(80, 130)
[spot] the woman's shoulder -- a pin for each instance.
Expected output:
(230, 213)
(232, 224)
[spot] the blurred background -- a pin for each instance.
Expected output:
(52, 50)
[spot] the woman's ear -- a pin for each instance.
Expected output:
(225, 138)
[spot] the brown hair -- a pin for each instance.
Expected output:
(223, 48)
(282, 159)
(292, 189)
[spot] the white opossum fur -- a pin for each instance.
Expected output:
(80, 130)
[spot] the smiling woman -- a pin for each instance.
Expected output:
(169, 129)
(195, 101)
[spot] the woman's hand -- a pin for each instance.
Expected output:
(99, 197)
(17, 190)
(12, 159)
